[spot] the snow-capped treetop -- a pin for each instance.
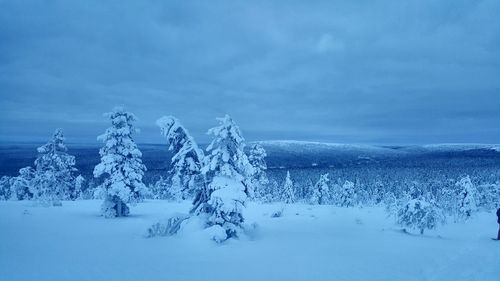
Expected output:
(56, 144)
(53, 155)
(257, 157)
(178, 136)
(226, 152)
(187, 159)
(121, 162)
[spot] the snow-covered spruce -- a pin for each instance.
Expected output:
(187, 160)
(466, 199)
(257, 156)
(227, 172)
(121, 169)
(54, 177)
(288, 195)
(321, 193)
(347, 195)
(420, 214)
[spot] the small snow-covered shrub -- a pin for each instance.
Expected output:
(113, 206)
(167, 227)
(278, 213)
(217, 233)
(22, 184)
(419, 214)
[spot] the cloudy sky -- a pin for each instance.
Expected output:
(394, 72)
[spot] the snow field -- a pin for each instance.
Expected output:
(319, 242)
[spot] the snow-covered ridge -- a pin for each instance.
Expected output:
(308, 145)
(461, 146)
(322, 145)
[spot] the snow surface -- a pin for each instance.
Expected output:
(308, 242)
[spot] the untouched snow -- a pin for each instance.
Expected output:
(308, 243)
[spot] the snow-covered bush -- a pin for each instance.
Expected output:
(121, 169)
(22, 184)
(466, 199)
(167, 227)
(347, 195)
(54, 178)
(256, 157)
(419, 214)
(488, 196)
(187, 160)
(321, 192)
(227, 171)
(162, 189)
(447, 200)
(288, 195)
(5, 188)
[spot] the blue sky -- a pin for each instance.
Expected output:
(340, 71)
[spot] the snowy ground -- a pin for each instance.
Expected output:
(309, 243)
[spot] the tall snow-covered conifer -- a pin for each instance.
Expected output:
(288, 195)
(54, 178)
(257, 156)
(187, 160)
(227, 172)
(321, 192)
(121, 168)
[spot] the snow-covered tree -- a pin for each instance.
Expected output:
(227, 171)
(187, 160)
(54, 178)
(419, 213)
(489, 196)
(5, 188)
(466, 200)
(347, 196)
(321, 192)
(121, 169)
(165, 190)
(79, 186)
(257, 156)
(288, 195)
(22, 184)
